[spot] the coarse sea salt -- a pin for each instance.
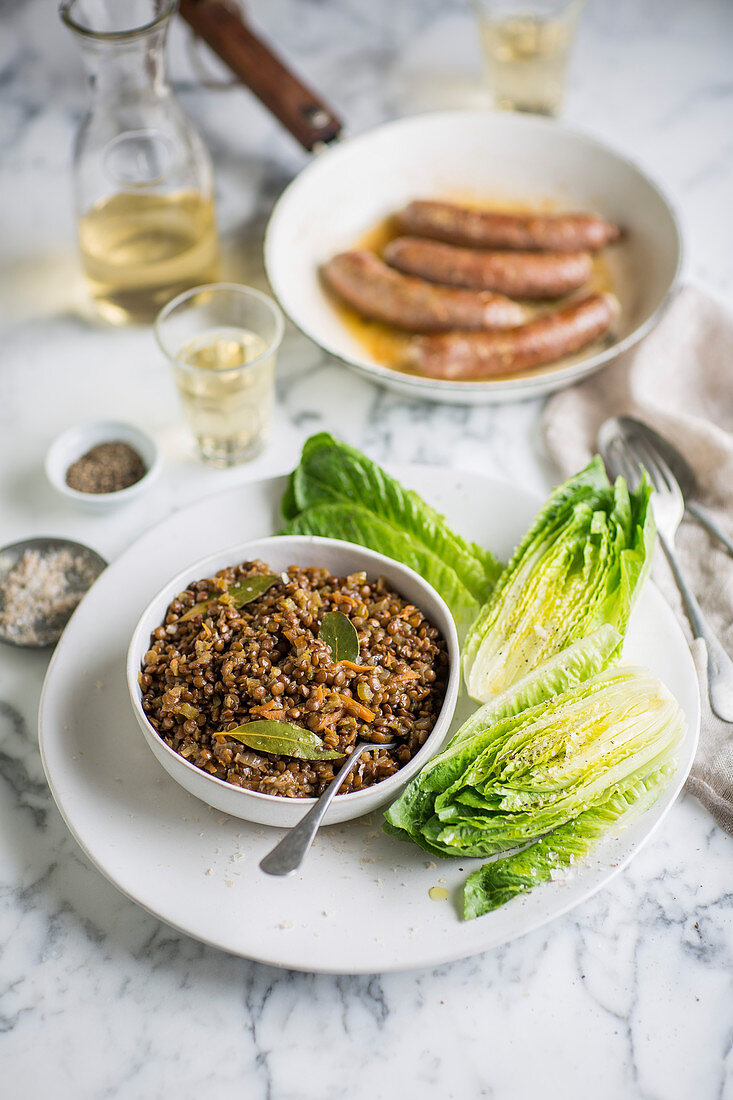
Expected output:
(39, 592)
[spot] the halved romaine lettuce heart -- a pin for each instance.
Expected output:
(512, 776)
(550, 763)
(407, 816)
(580, 566)
(498, 882)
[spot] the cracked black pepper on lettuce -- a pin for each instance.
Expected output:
(543, 782)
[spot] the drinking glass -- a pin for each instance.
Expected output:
(527, 45)
(221, 341)
(143, 179)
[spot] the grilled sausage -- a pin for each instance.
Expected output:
(518, 274)
(460, 356)
(379, 292)
(444, 221)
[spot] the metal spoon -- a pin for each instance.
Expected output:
(630, 428)
(45, 631)
(290, 852)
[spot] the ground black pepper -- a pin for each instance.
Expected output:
(106, 468)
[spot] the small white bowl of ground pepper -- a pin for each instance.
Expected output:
(102, 464)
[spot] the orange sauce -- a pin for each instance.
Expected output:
(383, 343)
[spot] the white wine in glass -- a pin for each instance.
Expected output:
(527, 49)
(221, 341)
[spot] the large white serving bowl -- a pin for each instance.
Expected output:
(280, 552)
(487, 155)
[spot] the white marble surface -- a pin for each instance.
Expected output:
(629, 995)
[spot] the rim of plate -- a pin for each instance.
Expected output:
(544, 376)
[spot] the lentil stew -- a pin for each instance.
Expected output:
(210, 672)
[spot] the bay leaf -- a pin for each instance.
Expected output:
(283, 739)
(243, 593)
(338, 632)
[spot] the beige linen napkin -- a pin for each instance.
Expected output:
(680, 381)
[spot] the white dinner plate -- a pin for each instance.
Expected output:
(361, 903)
(485, 155)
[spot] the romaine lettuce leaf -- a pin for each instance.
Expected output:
(356, 524)
(416, 804)
(580, 565)
(521, 774)
(498, 882)
(337, 492)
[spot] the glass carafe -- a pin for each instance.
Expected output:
(143, 178)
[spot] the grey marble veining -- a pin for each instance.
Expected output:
(628, 996)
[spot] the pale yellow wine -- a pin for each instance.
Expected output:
(527, 59)
(226, 395)
(139, 251)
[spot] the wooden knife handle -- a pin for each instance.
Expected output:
(308, 118)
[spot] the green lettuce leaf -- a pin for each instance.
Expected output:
(552, 762)
(356, 524)
(515, 775)
(406, 817)
(288, 506)
(498, 882)
(580, 565)
(337, 492)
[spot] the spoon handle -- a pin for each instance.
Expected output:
(290, 852)
(720, 666)
(703, 516)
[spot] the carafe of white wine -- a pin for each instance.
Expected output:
(143, 178)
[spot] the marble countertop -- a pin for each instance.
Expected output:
(627, 996)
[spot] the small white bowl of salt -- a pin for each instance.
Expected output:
(41, 582)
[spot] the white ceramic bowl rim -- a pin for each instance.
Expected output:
(180, 582)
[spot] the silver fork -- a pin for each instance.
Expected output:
(627, 456)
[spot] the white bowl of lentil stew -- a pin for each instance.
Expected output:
(203, 664)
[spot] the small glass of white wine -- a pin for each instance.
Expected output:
(527, 45)
(221, 341)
